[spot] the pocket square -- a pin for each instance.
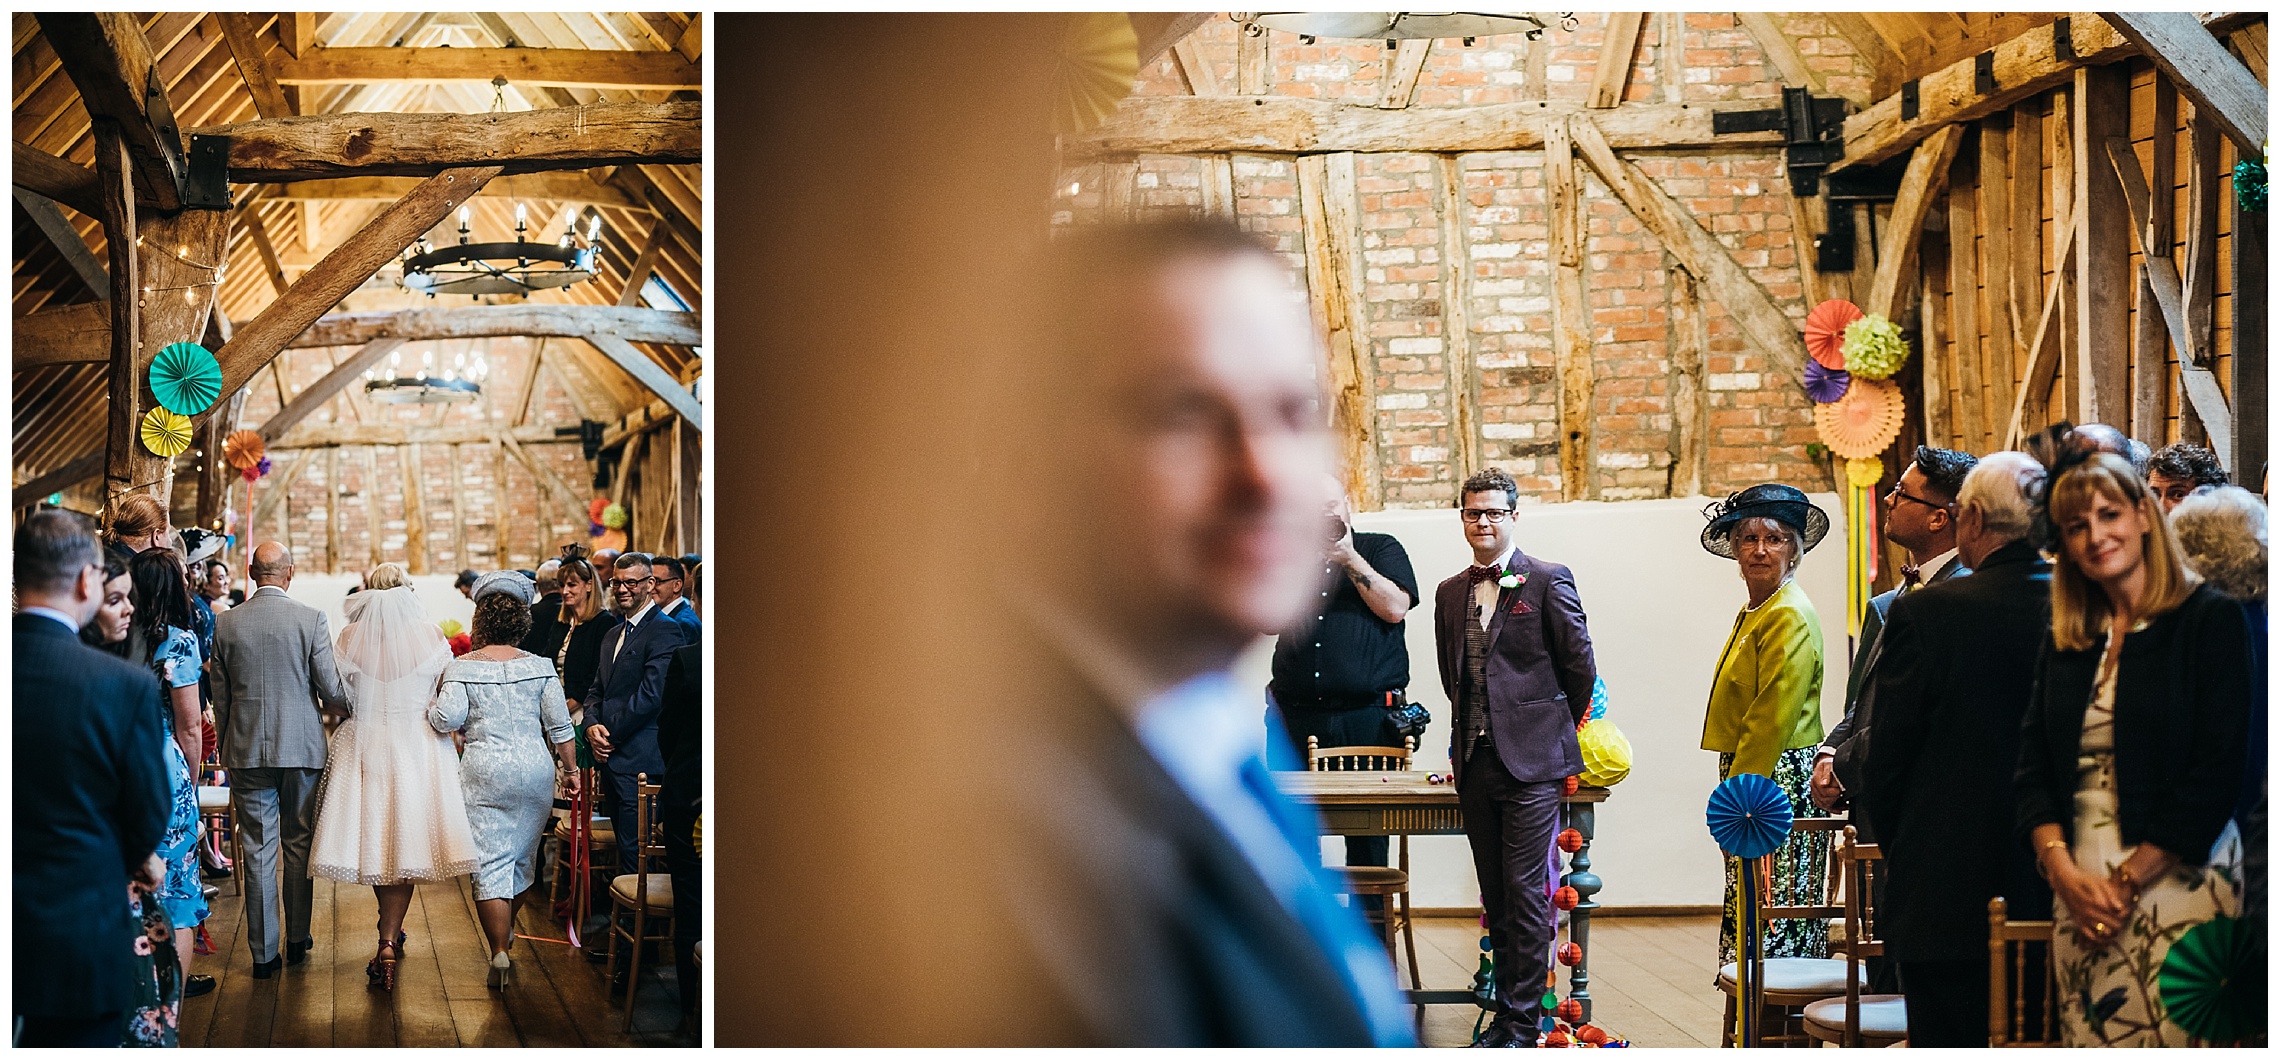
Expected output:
(1520, 607)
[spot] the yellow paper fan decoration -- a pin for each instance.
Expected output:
(165, 433)
(1864, 421)
(1864, 473)
(1100, 57)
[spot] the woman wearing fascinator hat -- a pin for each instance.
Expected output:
(1765, 703)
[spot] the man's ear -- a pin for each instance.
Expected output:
(91, 583)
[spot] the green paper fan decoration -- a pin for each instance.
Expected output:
(185, 378)
(165, 433)
(614, 517)
(1874, 348)
(2213, 984)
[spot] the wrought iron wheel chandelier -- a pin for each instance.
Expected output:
(462, 380)
(1391, 26)
(515, 268)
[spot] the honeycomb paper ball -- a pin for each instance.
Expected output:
(1556, 1039)
(1571, 1010)
(1571, 840)
(1606, 754)
(1571, 954)
(1590, 1035)
(1566, 898)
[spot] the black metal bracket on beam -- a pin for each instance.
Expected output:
(207, 184)
(1911, 103)
(1833, 249)
(2062, 39)
(1811, 126)
(1983, 73)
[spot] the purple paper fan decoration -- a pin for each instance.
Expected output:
(1825, 385)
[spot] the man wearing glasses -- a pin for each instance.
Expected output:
(671, 603)
(1515, 655)
(628, 691)
(1919, 515)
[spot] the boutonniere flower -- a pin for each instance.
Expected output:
(1512, 581)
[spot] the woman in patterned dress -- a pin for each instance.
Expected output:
(160, 638)
(2131, 755)
(1765, 705)
(509, 704)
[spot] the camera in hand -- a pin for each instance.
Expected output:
(1337, 529)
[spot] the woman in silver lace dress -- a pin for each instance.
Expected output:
(509, 704)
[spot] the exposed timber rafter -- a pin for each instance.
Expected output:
(320, 146)
(1927, 174)
(1612, 76)
(1204, 125)
(322, 436)
(75, 186)
(650, 374)
(313, 396)
(242, 31)
(2026, 65)
(2214, 79)
(555, 67)
(110, 61)
(59, 231)
(557, 186)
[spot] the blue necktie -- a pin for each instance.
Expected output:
(1344, 938)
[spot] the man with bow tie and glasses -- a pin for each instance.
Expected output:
(1515, 655)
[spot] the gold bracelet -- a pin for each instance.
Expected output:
(2126, 878)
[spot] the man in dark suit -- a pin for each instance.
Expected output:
(91, 794)
(1170, 891)
(1919, 515)
(1958, 667)
(628, 691)
(672, 575)
(1515, 654)
(681, 740)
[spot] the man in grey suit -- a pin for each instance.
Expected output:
(273, 676)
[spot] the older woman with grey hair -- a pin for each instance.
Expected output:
(2224, 535)
(509, 704)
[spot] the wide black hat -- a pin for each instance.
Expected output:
(1771, 500)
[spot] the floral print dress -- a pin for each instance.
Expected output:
(177, 665)
(2112, 996)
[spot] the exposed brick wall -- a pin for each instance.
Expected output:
(1758, 424)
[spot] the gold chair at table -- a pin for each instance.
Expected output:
(1791, 983)
(644, 894)
(2010, 1021)
(1385, 883)
(1856, 1019)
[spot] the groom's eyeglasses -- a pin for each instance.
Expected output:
(629, 583)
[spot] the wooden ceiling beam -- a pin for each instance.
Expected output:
(109, 60)
(1612, 76)
(2213, 78)
(2026, 65)
(1883, 62)
(320, 146)
(72, 185)
(1198, 125)
(1927, 174)
(564, 186)
(1159, 30)
(529, 67)
(81, 333)
(68, 334)
(243, 33)
(651, 375)
(313, 396)
(1781, 52)
(74, 249)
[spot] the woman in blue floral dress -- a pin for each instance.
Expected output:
(161, 639)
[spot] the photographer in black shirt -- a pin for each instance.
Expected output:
(1332, 673)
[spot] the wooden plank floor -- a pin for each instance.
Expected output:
(1652, 978)
(558, 998)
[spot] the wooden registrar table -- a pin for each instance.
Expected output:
(1405, 803)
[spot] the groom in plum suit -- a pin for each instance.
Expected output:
(1516, 663)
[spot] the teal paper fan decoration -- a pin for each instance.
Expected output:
(185, 378)
(1749, 815)
(2213, 984)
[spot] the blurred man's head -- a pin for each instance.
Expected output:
(465, 583)
(549, 577)
(2103, 438)
(670, 578)
(2176, 471)
(272, 565)
(1188, 438)
(1996, 505)
(58, 565)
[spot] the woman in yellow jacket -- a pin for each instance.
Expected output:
(1765, 704)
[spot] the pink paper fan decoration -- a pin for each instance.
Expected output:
(1825, 331)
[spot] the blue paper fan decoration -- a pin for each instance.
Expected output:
(1598, 708)
(185, 378)
(1824, 384)
(1749, 815)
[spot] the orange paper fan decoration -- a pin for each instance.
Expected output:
(243, 449)
(1825, 331)
(1864, 421)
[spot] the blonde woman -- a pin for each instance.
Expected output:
(390, 812)
(2131, 754)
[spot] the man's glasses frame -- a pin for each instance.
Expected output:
(1491, 515)
(1896, 491)
(629, 583)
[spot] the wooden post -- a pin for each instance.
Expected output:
(1251, 62)
(1670, 54)
(2150, 385)
(2102, 294)
(2066, 325)
(1327, 205)
(1456, 320)
(1689, 402)
(502, 517)
(374, 523)
(415, 510)
(1402, 67)
(2026, 288)
(215, 475)
(2204, 200)
(689, 510)
(1571, 316)
(1895, 261)
(332, 510)
(1217, 183)
(2251, 378)
(458, 511)
(1996, 266)
(1963, 317)
(1939, 426)
(1619, 40)
(1535, 60)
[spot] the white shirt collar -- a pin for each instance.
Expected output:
(668, 609)
(1503, 559)
(1931, 568)
(646, 608)
(68, 621)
